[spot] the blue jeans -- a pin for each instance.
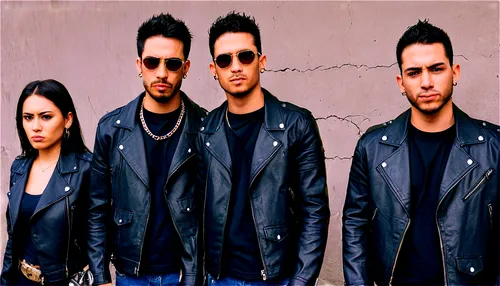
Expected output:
(228, 281)
(147, 280)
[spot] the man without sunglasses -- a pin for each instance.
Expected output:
(262, 172)
(422, 204)
(142, 209)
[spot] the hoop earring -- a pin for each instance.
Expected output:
(140, 75)
(455, 83)
(184, 76)
(215, 77)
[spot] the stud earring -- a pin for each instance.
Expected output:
(262, 70)
(455, 83)
(215, 77)
(404, 93)
(140, 75)
(184, 76)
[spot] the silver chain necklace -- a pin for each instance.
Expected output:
(163, 137)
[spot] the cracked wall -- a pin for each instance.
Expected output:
(335, 58)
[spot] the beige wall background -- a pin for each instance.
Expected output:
(335, 58)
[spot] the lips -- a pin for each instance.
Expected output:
(428, 96)
(162, 86)
(237, 80)
(37, 138)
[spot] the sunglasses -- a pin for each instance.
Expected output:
(245, 57)
(172, 64)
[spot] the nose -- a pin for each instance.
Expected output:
(36, 125)
(426, 80)
(236, 66)
(161, 71)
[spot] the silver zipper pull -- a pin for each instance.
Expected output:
(263, 274)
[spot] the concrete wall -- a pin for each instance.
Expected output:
(335, 58)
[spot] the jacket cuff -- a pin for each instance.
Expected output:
(297, 281)
(101, 279)
(190, 279)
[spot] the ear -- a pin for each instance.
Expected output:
(68, 120)
(213, 70)
(399, 80)
(187, 65)
(262, 62)
(138, 65)
(456, 72)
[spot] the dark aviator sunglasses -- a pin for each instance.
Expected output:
(245, 57)
(172, 64)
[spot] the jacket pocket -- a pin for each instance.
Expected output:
(276, 233)
(482, 181)
(469, 264)
(187, 205)
(122, 217)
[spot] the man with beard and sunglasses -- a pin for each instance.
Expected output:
(262, 172)
(422, 204)
(142, 204)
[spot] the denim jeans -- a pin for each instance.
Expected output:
(228, 281)
(147, 280)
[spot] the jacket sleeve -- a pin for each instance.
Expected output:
(355, 222)
(312, 197)
(8, 266)
(7, 259)
(99, 208)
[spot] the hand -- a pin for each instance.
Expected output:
(107, 284)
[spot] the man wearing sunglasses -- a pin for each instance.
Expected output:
(262, 171)
(142, 208)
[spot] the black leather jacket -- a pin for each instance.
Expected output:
(59, 223)
(289, 196)
(376, 211)
(120, 197)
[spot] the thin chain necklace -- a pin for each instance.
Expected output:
(227, 119)
(46, 168)
(163, 137)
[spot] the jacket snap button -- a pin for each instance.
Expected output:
(469, 162)
(275, 143)
(118, 121)
(202, 128)
(74, 168)
(472, 270)
(282, 125)
(213, 281)
(384, 138)
(278, 237)
(8, 194)
(384, 164)
(66, 189)
(121, 147)
(120, 220)
(189, 150)
(188, 209)
(484, 123)
(208, 144)
(480, 138)
(284, 105)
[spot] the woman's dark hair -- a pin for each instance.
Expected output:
(59, 95)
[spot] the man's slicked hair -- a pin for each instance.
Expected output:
(166, 26)
(234, 22)
(423, 33)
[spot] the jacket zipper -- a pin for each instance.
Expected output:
(69, 234)
(483, 179)
(203, 227)
(263, 272)
(439, 230)
(374, 213)
(490, 211)
(399, 249)
(223, 236)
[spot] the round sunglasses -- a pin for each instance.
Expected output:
(172, 64)
(245, 57)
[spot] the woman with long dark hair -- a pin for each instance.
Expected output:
(49, 182)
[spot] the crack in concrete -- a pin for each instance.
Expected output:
(347, 119)
(350, 17)
(91, 105)
(462, 56)
(322, 68)
(338, 158)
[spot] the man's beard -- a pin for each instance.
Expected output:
(444, 101)
(162, 97)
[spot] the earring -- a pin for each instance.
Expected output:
(184, 76)
(140, 75)
(404, 93)
(215, 77)
(455, 83)
(262, 70)
(66, 133)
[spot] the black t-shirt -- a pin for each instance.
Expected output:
(420, 261)
(162, 246)
(23, 228)
(241, 250)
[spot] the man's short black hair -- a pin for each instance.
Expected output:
(234, 22)
(424, 33)
(167, 26)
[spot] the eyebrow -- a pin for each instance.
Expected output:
(419, 68)
(40, 113)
